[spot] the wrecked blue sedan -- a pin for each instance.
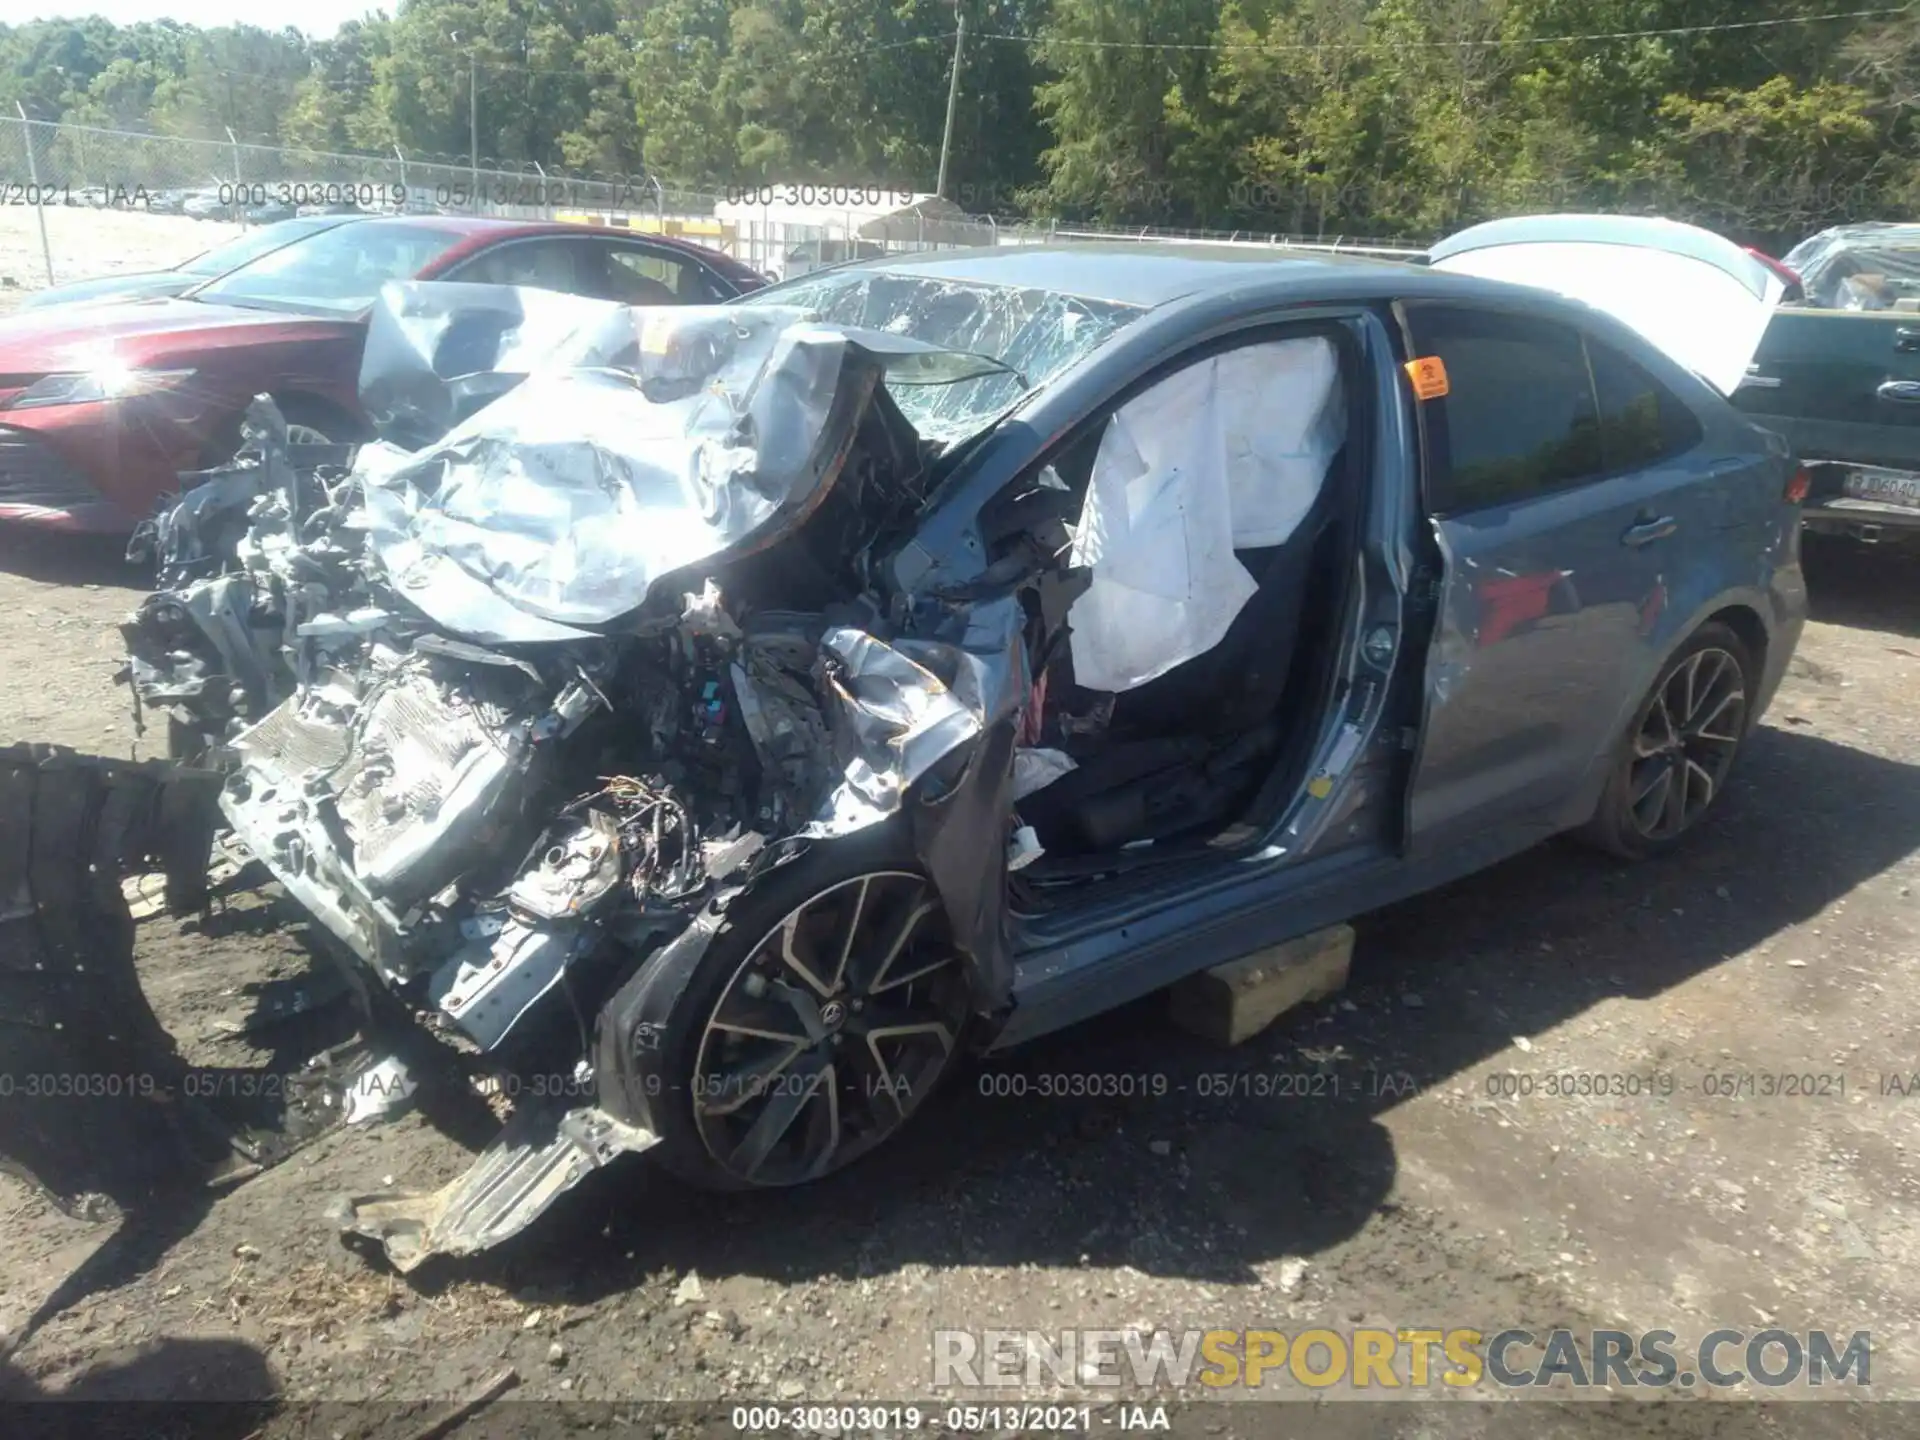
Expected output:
(749, 712)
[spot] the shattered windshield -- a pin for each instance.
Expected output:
(1036, 333)
(1859, 267)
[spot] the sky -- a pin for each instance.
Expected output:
(318, 18)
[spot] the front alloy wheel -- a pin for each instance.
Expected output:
(830, 1033)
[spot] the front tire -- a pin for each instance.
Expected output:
(1679, 748)
(829, 1005)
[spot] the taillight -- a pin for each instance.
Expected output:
(1788, 275)
(1799, 485)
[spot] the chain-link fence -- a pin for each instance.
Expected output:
(236, 179)
(777, 229)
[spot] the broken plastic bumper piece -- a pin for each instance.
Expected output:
(539, 1156)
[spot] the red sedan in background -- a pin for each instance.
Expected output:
(100, 411)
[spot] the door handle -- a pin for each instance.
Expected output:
(1903, 392)
(1646, 530)
(1906, 339)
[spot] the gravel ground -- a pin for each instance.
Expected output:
(1782, 942)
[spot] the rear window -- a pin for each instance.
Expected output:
(1865, 267)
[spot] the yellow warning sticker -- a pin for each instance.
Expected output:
(1429, 376)
(656, 335)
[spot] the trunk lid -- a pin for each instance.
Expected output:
(1696, 295)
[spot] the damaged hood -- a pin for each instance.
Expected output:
(1692, 293)
(141, 332)
(612, 445)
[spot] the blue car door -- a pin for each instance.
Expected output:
(1557, 504)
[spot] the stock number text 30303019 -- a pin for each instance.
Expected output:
(364, 195)
(822, 196)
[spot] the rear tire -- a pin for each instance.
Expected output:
(1679, 749)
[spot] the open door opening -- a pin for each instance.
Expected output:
(1228, 653)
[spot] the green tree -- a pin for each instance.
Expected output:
(1116, 64)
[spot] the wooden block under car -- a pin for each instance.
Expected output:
(1230, 1002)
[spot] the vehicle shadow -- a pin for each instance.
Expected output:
(1865, 587)
(1203, 1174)
(219, 1389)
(56, 559)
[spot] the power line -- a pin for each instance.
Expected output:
(509, 67)
(837, 56)
(1488, 44)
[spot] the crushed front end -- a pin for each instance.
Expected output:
(518, 707)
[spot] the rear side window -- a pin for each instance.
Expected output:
(540, 264)
(1641, 421)
(1519, 418)
(644, 277)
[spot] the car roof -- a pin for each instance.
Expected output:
(1143, 275)
(477, 230)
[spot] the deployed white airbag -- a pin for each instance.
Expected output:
(1228, 454)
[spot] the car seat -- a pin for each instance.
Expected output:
(1183, 751)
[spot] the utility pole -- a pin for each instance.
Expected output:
(953, 94)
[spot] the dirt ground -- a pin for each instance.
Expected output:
(1785, 940)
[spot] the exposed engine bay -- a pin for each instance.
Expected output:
(524, 699)
(498, 765)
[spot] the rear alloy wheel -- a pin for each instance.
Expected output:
(829, 1034)
(1681, 748)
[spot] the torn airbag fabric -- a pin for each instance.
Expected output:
(1228, 454)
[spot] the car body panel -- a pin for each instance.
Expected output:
(1697, 296)
(115, 458)
(1835, 384)
(134, 285)
(1839, 376)
(1843, 387)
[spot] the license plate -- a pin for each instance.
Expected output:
(1886, 487)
